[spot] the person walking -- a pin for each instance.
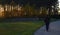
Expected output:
(47, 22)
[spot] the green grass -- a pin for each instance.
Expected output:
(20, 28)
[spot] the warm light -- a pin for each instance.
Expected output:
(59, 11)
(19, 8)
(12, 8)
(1, 11)
(6, 7)
(9, 8)
(1, 8)
(40, 12)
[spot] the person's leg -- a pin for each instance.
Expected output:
(47, 26)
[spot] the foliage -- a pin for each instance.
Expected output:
(29, 10)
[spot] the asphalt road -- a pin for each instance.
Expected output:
(54, 29)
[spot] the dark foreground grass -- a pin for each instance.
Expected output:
(20, 28)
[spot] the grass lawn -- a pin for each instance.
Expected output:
(20, 28)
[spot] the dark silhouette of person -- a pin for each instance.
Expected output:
(47, 22)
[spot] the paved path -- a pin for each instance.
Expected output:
(53, 30)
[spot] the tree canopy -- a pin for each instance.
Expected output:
(37, 2)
